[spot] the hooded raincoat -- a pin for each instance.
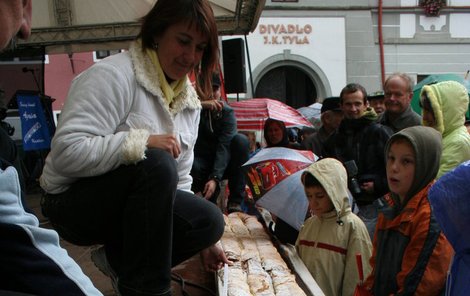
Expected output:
(449, 198)
(328, 244)
(411, 255)
(449, 102)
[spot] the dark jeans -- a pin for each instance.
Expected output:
(145, 223)
(239, 154)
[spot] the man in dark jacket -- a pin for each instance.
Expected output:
(359, 143)
(219, 152)
(331, 116)
(398, 92)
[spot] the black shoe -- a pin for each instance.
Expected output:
(98, 256)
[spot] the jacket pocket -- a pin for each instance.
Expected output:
(187, 142)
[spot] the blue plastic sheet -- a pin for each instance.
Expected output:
(450, 201)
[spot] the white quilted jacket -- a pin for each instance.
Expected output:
(110, 111)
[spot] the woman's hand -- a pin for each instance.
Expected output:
(166, 142)
(213, 258)
(213, 105)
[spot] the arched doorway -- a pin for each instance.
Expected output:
(288, 84)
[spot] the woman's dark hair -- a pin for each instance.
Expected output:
(311, 181)
(425, 103)
(285, 139)
(166, 13)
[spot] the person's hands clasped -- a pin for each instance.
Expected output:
(213, 258)
(213, 105)
(166, 142)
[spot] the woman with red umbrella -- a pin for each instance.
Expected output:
(276, 135)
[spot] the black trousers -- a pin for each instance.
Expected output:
(234, 173)
(145, 223)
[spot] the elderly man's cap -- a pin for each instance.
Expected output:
(330, 104)
(376, 95)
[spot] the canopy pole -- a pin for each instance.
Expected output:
(249, 68)
(222, 83)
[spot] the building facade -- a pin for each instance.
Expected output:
(305, 50)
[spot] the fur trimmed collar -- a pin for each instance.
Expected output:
(147, 77)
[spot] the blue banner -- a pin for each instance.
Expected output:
(35, 129)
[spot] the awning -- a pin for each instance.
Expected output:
(251, 114)
(84, 25)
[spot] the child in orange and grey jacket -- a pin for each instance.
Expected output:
(411, 255)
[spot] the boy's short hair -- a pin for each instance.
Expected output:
(352, 88)
(310, 181)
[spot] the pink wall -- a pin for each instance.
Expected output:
(59, 73)
(12, 78)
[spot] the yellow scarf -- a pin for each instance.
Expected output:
(170, 90)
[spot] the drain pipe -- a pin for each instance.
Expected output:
(381, 42)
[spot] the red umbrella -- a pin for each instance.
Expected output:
(251, 114)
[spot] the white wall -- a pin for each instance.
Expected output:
(321, 39)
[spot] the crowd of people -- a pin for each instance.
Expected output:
(128, 157)
(389, 163)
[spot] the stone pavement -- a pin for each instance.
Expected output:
(191, 270)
